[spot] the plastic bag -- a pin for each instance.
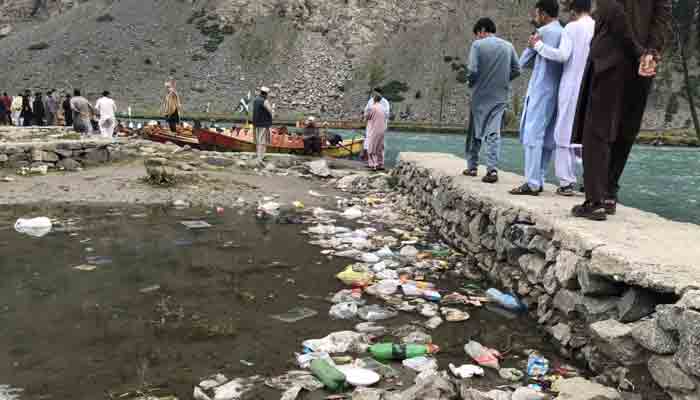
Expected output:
(507, 301)
(433, 322)
(466, 371)
(376, 313)
(386, 287)
(339, 342)
(352, 213)
(36, 227)
(370, 328)
(482, 355)
(387, 274)
(348, 296)
(343, 311)
(295, 314)
(408, 252)
(417, 337)
(369, 258)
(454, 315)
(385, 252)
(420, 364)
(511, 374)
(355, 275)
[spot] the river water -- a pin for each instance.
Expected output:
(166, 306)
(661, 180)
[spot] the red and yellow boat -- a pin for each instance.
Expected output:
(183, 136)
(243, 140)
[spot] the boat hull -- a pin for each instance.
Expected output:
(242, 140)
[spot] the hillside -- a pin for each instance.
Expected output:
(320, 56)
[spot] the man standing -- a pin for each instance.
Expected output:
(493, 64)
(7, 103)
(540, 106)
(51, 108)
(263, 111)
(38, 109)
(171, 106)
(627, 46)
(573, 53)
(107, 111)
(16, 109)
(67, 111)
(386, 107)
(82, 113)
(312, 137)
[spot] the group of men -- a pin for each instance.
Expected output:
(587, 93)
(37, 109)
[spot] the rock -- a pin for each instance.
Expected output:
(319, 168)
(550, 282)
(37, 155)
(180, 204)
(669, 316)
(49, 156)
(219, 161)
(582, 389)
(539, 244)
(598, 308)
(566, 269)
(68, 164)
(562, 333)
(666, 374)
(5, 31)
(155, 162)
(362, 393)
(534, 266)
(650, 335)
(566, 301)
(408, 252)
(63, 153)
(615, 341)
(526, 393)
(595, 285)
(636, 304)
(691, 299)
(3, 158)
(688, 354)
(96, 157)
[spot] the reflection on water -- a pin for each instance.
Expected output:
(665, 181)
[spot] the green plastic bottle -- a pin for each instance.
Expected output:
(333, 379)
(392, 351)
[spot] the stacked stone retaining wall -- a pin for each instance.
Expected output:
(587, 283)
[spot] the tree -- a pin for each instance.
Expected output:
(685, 17)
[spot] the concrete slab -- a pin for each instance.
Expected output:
(635, 247)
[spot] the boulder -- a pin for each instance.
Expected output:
(614, 339)
(4, 158)
(95, 157)
(688, 354)
(598, 308)
(635, 304)
(5, 31)
(566, 301)
(595, 285)
(669, 316)
(566, 269)
(582, 389)
(49, 156)
(534, 266)
(666, 374)
(562, 333)
(550, 282)
(219, 161)
(68, 164)
(691, 299)
(650, 336)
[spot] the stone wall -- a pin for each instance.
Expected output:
(68, 155)
(611, 321)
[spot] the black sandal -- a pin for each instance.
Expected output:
(470, 172)
(566, 191)
(593, 212)
(524, 190)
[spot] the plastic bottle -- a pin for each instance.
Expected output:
(432, 295)
(392, 351)
(507, 301)
(329, 375)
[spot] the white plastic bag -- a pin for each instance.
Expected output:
(343, 311)
(36, 227)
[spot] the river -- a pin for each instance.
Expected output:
(662, 180)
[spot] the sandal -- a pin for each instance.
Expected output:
(525, 190)
(610, 206)
(566, 191)
(490, 177)
(588, 210)
(470, 172)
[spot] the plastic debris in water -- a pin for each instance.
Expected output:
(86, 268)
(196, 224)
(295, 314)
(150, 289)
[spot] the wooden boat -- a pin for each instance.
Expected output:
(183, 136)
(243, 140)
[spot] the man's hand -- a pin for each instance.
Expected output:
(647, 66)
(532, 41)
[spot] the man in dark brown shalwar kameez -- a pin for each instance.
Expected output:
(629, 39)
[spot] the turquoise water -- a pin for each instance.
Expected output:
(665, 181)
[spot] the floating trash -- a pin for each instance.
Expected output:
(295, 314)
(196, 224)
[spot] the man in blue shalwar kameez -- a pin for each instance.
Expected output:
(540, 105)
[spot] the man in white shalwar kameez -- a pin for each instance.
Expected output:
(573, 53)
(386, 107)
(107, 110)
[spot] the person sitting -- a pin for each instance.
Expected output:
(312, 138)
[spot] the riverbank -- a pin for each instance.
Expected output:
(669, 137)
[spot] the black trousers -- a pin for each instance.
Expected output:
(173, 120)
(605, 153)
(312, 145)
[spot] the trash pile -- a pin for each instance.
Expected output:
(394, 269)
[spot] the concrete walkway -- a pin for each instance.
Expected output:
(635, 247)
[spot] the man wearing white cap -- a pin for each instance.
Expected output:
(262, 121)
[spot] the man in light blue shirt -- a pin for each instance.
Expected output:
(540, 105)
